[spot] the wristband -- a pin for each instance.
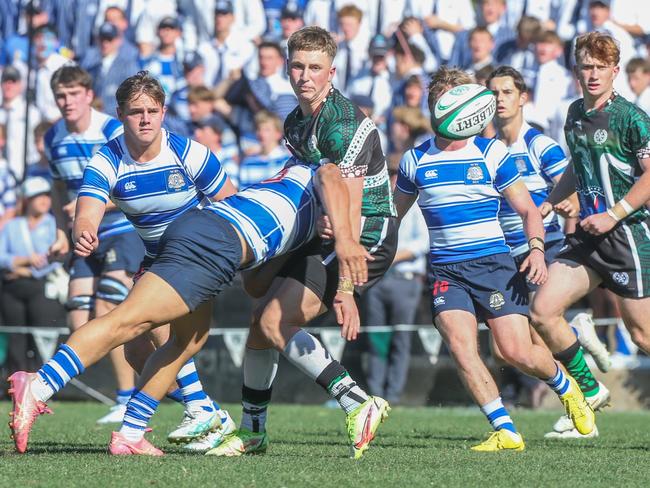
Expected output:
(345, 286)
(538, 239)
(621, 210)
(536, 248)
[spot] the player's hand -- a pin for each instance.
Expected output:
(598, 224)
(69, 209)
(38, 260)
(567, 209)
(324, 228)
(86, 244)
(61, 246)
(352, 258)
(536, 266)
(347, 315)
(545, 208)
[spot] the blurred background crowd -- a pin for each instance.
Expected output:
(222, 65)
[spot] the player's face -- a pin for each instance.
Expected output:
(596, 76)
(310, 74)
(73, 101)
(142, 118)
(268, 134)
(509, 100)
(638, 81)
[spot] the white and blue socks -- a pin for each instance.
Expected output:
(559, 383)
(189, 384)
(56, 373)
(122, 397)
(139, 410)
(498, 416)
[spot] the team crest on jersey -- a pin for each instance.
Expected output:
(111, 256)
(521, 166)
(600, 136)
(312, 144)
(496, 300)
(475, 174)
(176, 181)
(621, 278)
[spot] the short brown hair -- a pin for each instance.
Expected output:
(636, 64)
(138, 84)
(71, 75)
(444, 79)
(350, 11)
(599, 46)
(200, 93)
(549, 37)
(503, 71)
(264, 116)
(413, 118)
(479, 30)
(312, 38)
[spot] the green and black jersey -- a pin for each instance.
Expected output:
(604, 146)
(338, 132)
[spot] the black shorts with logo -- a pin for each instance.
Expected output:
(621, 258)
(487, 287)
(315, 265)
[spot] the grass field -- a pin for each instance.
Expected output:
(415, 447)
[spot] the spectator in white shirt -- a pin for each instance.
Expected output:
(638, 77)
(352, 50)
(230, 50)
(12, 116)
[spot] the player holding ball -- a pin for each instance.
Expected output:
(457, 178)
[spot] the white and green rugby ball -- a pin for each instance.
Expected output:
(463, 111)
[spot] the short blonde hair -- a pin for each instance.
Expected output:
(599, 46)
(444, 79)
(264, 116)
(312, 38)
(200, 94)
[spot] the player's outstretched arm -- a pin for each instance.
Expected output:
(88, 215)
(521, 202)
(337, 200)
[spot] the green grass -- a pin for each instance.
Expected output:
(415, 447)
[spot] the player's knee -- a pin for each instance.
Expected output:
(641, 337)
(111, 290)
(268, 323)
(80, 302)
(518, 357)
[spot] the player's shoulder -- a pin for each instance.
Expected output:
(106, 123)
(630, 111)
(338, 109)
(112, 152)
(489, 146)
(575, 110)
(538, 142)
(54, 131)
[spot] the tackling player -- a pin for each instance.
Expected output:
(540, 162)
(329, 131)
(101, 281)
(153, 176)
(458, 185)
(609, 140)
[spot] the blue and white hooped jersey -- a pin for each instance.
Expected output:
(459, 194)
(154, 193)
(276, 215)
(538, 159)
(69, 153)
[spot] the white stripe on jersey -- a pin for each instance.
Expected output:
(538, 159)
(276, 215)
(459, 193)
(154, 193)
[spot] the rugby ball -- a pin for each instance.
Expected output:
(463, 111)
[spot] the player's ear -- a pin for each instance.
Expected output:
(523, 98)
(332, 72)
(617, 69)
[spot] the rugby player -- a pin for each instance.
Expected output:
(609, 141)
(198, 254)
(540, 162)
(101, 281)
(329, 131)
(458, 185)
(153, 176)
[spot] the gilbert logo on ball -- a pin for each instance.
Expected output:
(463, 111)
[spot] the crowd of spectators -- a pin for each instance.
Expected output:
(222, 65)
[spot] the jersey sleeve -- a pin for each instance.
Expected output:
(112, 129)
(345, 142)
(551, 157)
(99, 176)
(638, 130)
(506, 170)
(205, 169)
(406, 174)
(47, 149)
